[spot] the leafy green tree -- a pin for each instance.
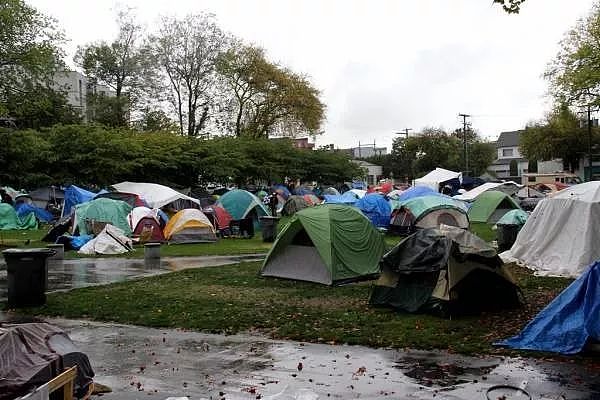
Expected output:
(119, 65)
(573, 74)
(17, 165)
(558, 136)
(29, 57)
(510, 6)
(268, 98)
(155, 121)
(108, 110)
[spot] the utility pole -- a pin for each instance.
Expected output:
(589, 126)
(464, 117)
(405, 133)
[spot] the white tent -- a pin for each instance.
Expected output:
(138, 213)
(111, 240)
(561, 236)
(509, 188)
(154, 194)
(437, 176)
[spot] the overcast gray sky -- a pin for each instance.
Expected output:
(383, 65)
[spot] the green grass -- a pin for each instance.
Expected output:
(235, 299)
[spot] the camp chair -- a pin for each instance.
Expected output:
(64, 382)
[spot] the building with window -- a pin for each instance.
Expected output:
(372, 173)
(507, 148)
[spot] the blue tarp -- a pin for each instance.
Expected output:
(376, 208)
(359, 185)
(282, 190)
(416, 191)
(75, 195)
(568, 322)
(346, 198)
(23, 209)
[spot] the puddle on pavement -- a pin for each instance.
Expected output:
(430, 373)
(76, 273)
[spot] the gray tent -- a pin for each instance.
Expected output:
(294, 204)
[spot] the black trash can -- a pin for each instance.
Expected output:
(27, 271)
(507, 234)
(268, 226)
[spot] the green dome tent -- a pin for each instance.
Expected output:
(102, 210)
(328, 244)
(10, 220)
(240, 203)
(486, 211)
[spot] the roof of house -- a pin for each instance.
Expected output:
(508, 139)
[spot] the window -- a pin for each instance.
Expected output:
(507, 152)
(532, 179)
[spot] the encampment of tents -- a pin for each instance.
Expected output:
(241, 204)
(189, 226)
(221, 218)
(147, 229)
(416, 191)
(561, 235)
(329, 244)
(10, 220)
(157, 196)
(376, 208)
(130, 198)
(440, 176)
(447, 271)
(429, 211)
(43, 196)
(24, 209)
(346, 198)
(486, 210)
(99, 212)
(569, 322)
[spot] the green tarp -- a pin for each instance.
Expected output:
(10, 220)
(103, 210)
(328, 244)
(239, 203)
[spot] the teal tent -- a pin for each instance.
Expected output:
(10, 220)
(242, 204)
(102, 211)
(329, 244)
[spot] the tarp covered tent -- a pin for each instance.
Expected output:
(437, 177)
(138, 213)
(429, 212)
(24, 209)
(114, 212)
(328, 244)
(569, 322)
(487, 209)
(294, 204)
(35, 353)
(43, 196)
(190, 226)
(132, 199)
(10, 220)
(156, 195)
(111, 240)
(509, 188)
(358, 192)
(240, 204)
(75, 195)
(417, 191)
(560, 237)
(346, 198)
(445, 271)
(376, 208)
(282, 190)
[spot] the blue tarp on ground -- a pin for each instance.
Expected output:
(346, 198)
(568, 322)
(416, 191)
(376, 208)
(24, 209)
(75, 195)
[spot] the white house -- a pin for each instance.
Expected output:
(507, 147)
(372, 172)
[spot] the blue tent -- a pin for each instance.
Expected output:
(568, 322)
(282, 190)
(24, 209)
(75, 195)
(346, 198)
(376, 208)
(359, 185)
(416, 191)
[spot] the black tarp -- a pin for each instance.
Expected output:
(31, 354)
